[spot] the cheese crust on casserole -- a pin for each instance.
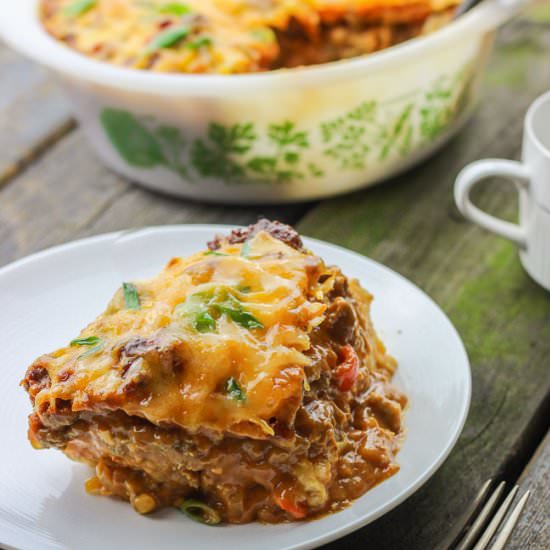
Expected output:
(236, 36)
(248, 376)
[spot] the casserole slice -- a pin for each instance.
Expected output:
(246, 382)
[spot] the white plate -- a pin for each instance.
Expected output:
(47, 298)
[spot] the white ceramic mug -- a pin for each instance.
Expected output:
(532, 179)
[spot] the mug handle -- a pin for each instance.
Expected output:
(475, 173)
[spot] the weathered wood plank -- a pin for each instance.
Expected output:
(412, 226)
(68, 194)
(33, 112)
(533, 528)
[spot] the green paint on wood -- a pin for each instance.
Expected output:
(503, 296)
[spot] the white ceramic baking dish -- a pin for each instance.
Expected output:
(279, 136)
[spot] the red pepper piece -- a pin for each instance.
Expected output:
(289, 505)
(347, 371)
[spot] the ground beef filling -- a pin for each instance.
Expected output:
(133, 458)
(279, 230)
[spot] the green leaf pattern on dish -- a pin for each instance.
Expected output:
(133, 140)
(281, 152)
(142, 145)
(217, 155)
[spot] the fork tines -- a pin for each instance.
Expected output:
(485, 518)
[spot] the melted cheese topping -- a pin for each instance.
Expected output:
(224, 36)
(159, 362)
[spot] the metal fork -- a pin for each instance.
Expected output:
(479, 531)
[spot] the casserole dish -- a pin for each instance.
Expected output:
(279, 136)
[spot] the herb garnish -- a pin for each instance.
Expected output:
(175, 8)
(245, 249)
(92, 351)
(234, 390)
(87, 341)
(263, 35)
(168, 38)
(78, 7)
(233, 308)
(204, 322)
(131, 296)
(241, 317)
(214, 253)
(201, 512)
(205, 308)
(94, 341)
(199, 42)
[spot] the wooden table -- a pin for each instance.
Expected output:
(53, 189)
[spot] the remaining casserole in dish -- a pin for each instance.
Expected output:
(285, 135)
(242, 383)
(237, 36)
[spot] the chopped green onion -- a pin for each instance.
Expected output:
(204, 322)
(94, 341)
(192, 305)
(263, 35)
(168, 38)
(74, 9)
(233, 388)
(92, 351)
(131, 296)
(199, 42)
(244, 289)
(87, 341)
(245, 249)
(233, 308)
(243, 318)
(205, 307)
(175, 8)
(201, 512)
(214, 253)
